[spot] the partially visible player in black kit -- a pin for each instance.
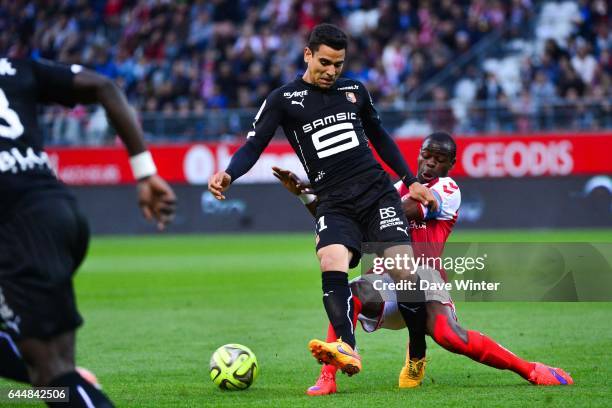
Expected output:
(328, 122)
(43, 236)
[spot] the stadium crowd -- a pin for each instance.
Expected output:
(190, 57)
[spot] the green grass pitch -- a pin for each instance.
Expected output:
(157, 307)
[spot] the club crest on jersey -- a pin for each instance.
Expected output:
(351, 97)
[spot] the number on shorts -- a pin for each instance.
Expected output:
(321, 223)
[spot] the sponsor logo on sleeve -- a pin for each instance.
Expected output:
(349, 88)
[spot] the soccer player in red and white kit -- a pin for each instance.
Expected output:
(429, 232)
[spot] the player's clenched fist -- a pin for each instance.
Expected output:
(422, 194)
(218, 183)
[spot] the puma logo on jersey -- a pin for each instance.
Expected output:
(404, 230)
(301, 103)
(6, 68)
(296, 94)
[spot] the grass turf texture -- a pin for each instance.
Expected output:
(157, 307)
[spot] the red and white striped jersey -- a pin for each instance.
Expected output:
(428, 239)
(430, 234)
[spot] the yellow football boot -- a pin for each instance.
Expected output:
(412, 373)
(337, 353)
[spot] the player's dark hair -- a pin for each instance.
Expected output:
(327, 34)
(445, 141)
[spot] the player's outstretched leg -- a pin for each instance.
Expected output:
(475, 345)
(411, 303)
(339, 304)
(13, 367)
(326, 383)
(413, 371)
(51, 363)
(336, 352)
(545, 375)
(338, 301)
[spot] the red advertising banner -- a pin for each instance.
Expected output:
(498, 156)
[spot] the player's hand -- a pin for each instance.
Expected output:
(218, 183)
(156, 200)
(423, 195)
(290, 181)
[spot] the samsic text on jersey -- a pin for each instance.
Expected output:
(328, 129)
(24, 86)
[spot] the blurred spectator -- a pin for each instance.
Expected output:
(490, 89)
(584, 63)
(543, 94)
(569, 79)
(441, 115)
(96, 130)
(485, 117)
(524, 110)
(504, 120)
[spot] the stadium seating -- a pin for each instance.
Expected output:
(189, 59)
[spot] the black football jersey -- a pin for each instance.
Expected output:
(328, 129)
(24, 86)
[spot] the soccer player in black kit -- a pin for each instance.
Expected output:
(328, 122)
(43, 236)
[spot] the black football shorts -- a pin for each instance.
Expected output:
(43, 241)
(365, 210)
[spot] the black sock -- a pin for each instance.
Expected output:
(415, 316)
(338, 302)
(81, 393)
(12, 365)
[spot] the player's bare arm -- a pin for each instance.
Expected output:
(411, 209)
(297, 187)
(290, 181)
(155, 197)
(266, 121)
